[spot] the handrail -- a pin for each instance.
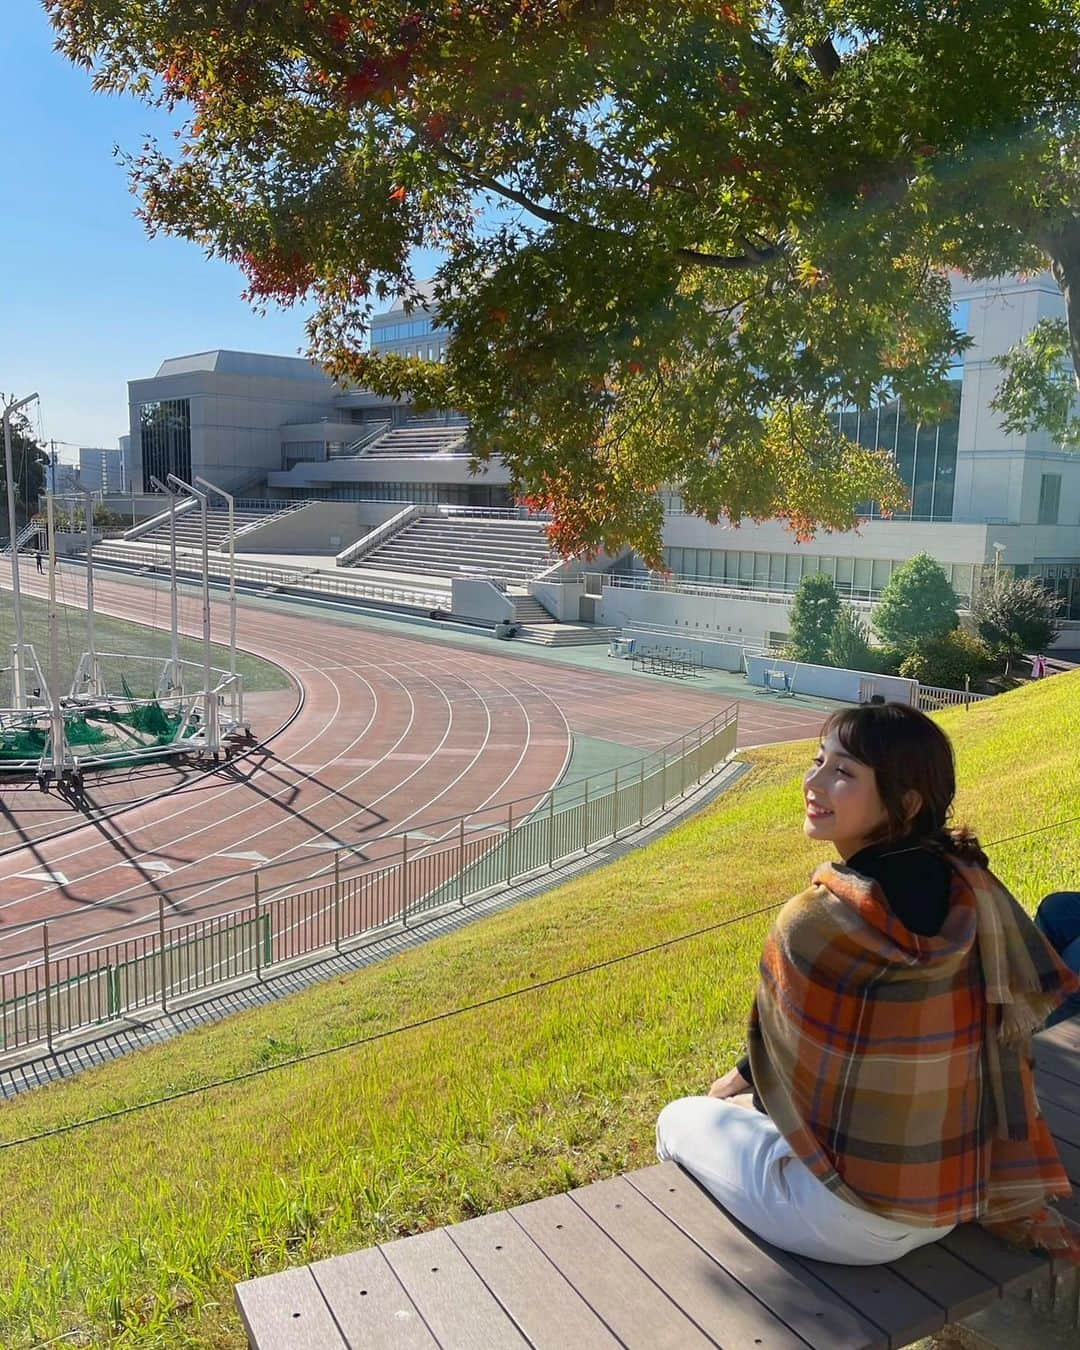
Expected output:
(152, 522)
(367, 542)
(71, 987)
(317, 580)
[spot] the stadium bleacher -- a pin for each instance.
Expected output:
(465, 545)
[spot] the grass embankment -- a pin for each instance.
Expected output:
(119, 635)
(135, 1229)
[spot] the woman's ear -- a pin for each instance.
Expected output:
(913, 804)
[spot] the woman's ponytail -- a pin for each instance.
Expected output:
(962, 843)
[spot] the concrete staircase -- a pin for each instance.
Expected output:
(462, 546)
(418, 439)
(189, 527)
(529, 610)
(564, 634)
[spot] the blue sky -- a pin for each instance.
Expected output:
(87, 300)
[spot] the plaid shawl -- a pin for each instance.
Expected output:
(898, 1067)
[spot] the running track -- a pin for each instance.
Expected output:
(391, 733)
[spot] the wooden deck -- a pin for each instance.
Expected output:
(647, 1260)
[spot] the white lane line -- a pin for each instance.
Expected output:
(56, 878)
(245, 857)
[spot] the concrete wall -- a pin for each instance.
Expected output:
(318, 528)
(745, 622)
(480, 600)
(827, 681)
(388, 469)
(562, 599)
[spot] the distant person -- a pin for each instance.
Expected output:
(39, 560)
(890, 1039)
(1058, 919)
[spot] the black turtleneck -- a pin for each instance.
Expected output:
(915, 881)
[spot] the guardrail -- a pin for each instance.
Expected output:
(929, 698)
(66, 988)
(374, 537)
(767, 593)
(314, 581)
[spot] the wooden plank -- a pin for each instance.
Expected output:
(369, 1303)
(957, 1288)
(449, 1295)
(1011, 1269)
(637, 1312)
(287, 1312)
(795, 1296)
(1052, 1088)
(1064, 1125)
(1053, 1057)
(547, 1308)
(704, 1290)
(902, 1312)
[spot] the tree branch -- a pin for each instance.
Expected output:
(741, 262)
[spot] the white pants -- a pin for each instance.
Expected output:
(743, 1160)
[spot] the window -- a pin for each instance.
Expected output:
(1049, 498)
(165, 437)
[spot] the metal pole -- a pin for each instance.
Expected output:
(95, 683)
(509, 842)
(404, 878)
(585, 793)
(682, 756)
(18, 690)
(461, 861)
(551, 828)
(56, 714)
(48, 986)
(209, 698)
(641, 795)
(174, 602)
(337, 901)
(162, 972)
(231, 500)
(615, 807)
(258, 929)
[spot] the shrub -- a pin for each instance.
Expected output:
(918, 604)
(945, 661)
(814, 612)
(1017, 615)
(849, 642)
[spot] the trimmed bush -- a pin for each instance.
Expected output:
(945, 661)
(918, 604)
(813, 615)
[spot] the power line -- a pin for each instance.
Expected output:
(533, 988)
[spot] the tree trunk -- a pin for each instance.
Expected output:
(1063, 246)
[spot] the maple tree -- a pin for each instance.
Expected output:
(673, 237)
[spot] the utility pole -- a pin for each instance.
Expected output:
(95, 676)
(18, 683)
(56, 713)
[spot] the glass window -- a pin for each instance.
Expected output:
(945, 468)
(882, 571)
(793, 568)
(165, 439)
(1049, 498)
(864, 574)
(922, 496)
(845, 570)
(776, 567)
(906, 432)
(746, 566)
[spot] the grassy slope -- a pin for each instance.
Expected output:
(118, 635)
(139, 1226)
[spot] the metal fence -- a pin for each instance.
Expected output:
(929, 698)
(60, 989)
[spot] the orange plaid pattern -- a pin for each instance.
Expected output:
(898, 1066)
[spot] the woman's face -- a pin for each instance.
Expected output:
(841, 798)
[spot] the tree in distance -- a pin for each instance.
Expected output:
(672, 239)
(1015, 616)
(954, 660)
(28, 461)
(849, 642)
(916, 604)
(813, 618)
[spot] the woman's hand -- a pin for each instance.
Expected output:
(730, 1085)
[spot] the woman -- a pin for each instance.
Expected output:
(889, 1042)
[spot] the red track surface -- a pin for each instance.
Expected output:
(394, 733)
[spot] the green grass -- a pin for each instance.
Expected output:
(132, 1232)
(119, 635)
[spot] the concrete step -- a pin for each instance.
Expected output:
(564, 634)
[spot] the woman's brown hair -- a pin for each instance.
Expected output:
(908, 753)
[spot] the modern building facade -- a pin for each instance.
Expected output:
(102, 470)
(982, 500)
(981, 497)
